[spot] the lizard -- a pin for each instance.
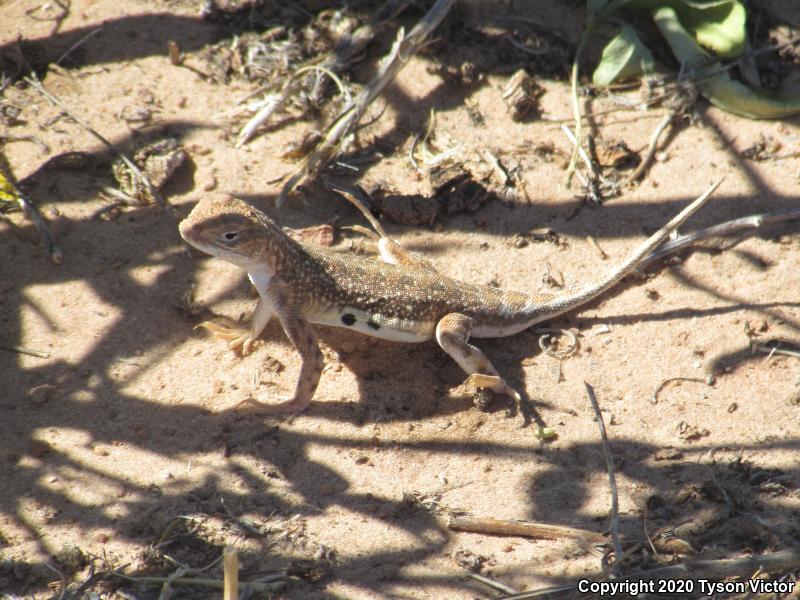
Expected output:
(400, 298)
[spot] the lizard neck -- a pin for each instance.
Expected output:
(260, 275)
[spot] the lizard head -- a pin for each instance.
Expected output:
(232, 230)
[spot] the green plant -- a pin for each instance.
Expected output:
(699, 33)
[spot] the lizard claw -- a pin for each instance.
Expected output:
(492, 382)
(237, 341)
(242, 344)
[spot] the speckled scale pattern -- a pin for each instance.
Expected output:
(394, 291)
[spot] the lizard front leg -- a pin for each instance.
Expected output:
(280, 302)
(452, 334)
(238, 340)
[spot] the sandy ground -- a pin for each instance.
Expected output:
(126, 443)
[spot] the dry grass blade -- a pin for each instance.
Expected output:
(9, 192)
(579, 149)
(491, 583)
(342, 56)
(230, 566)
(597, 184)
(74, 46)
(216, 584)
(614, 525)
(37, 85)
(403, 48)
(273, 102)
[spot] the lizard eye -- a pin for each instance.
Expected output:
(229, 236)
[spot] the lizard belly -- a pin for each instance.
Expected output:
(392, 329)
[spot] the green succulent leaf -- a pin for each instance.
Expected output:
(717, 25)
(715, 83)
(603, 8)
(623, 57)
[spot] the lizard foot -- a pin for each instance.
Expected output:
(237, 341)
(290, 407)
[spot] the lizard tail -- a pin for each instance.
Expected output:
(538, 310)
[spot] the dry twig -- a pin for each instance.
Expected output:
(272, 583)
(523, 528)
(773, 347)
(547, 333)
(651, 148)
(491, 583)
(663, 384)
(28, 351)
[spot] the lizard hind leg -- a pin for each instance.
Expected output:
(393, 253)
(452, 334)
(390, 251)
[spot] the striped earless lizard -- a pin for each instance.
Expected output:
(401, 298)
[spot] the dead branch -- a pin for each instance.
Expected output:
(403, 48)
(230, 565)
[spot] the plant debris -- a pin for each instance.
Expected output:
(158, 161)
